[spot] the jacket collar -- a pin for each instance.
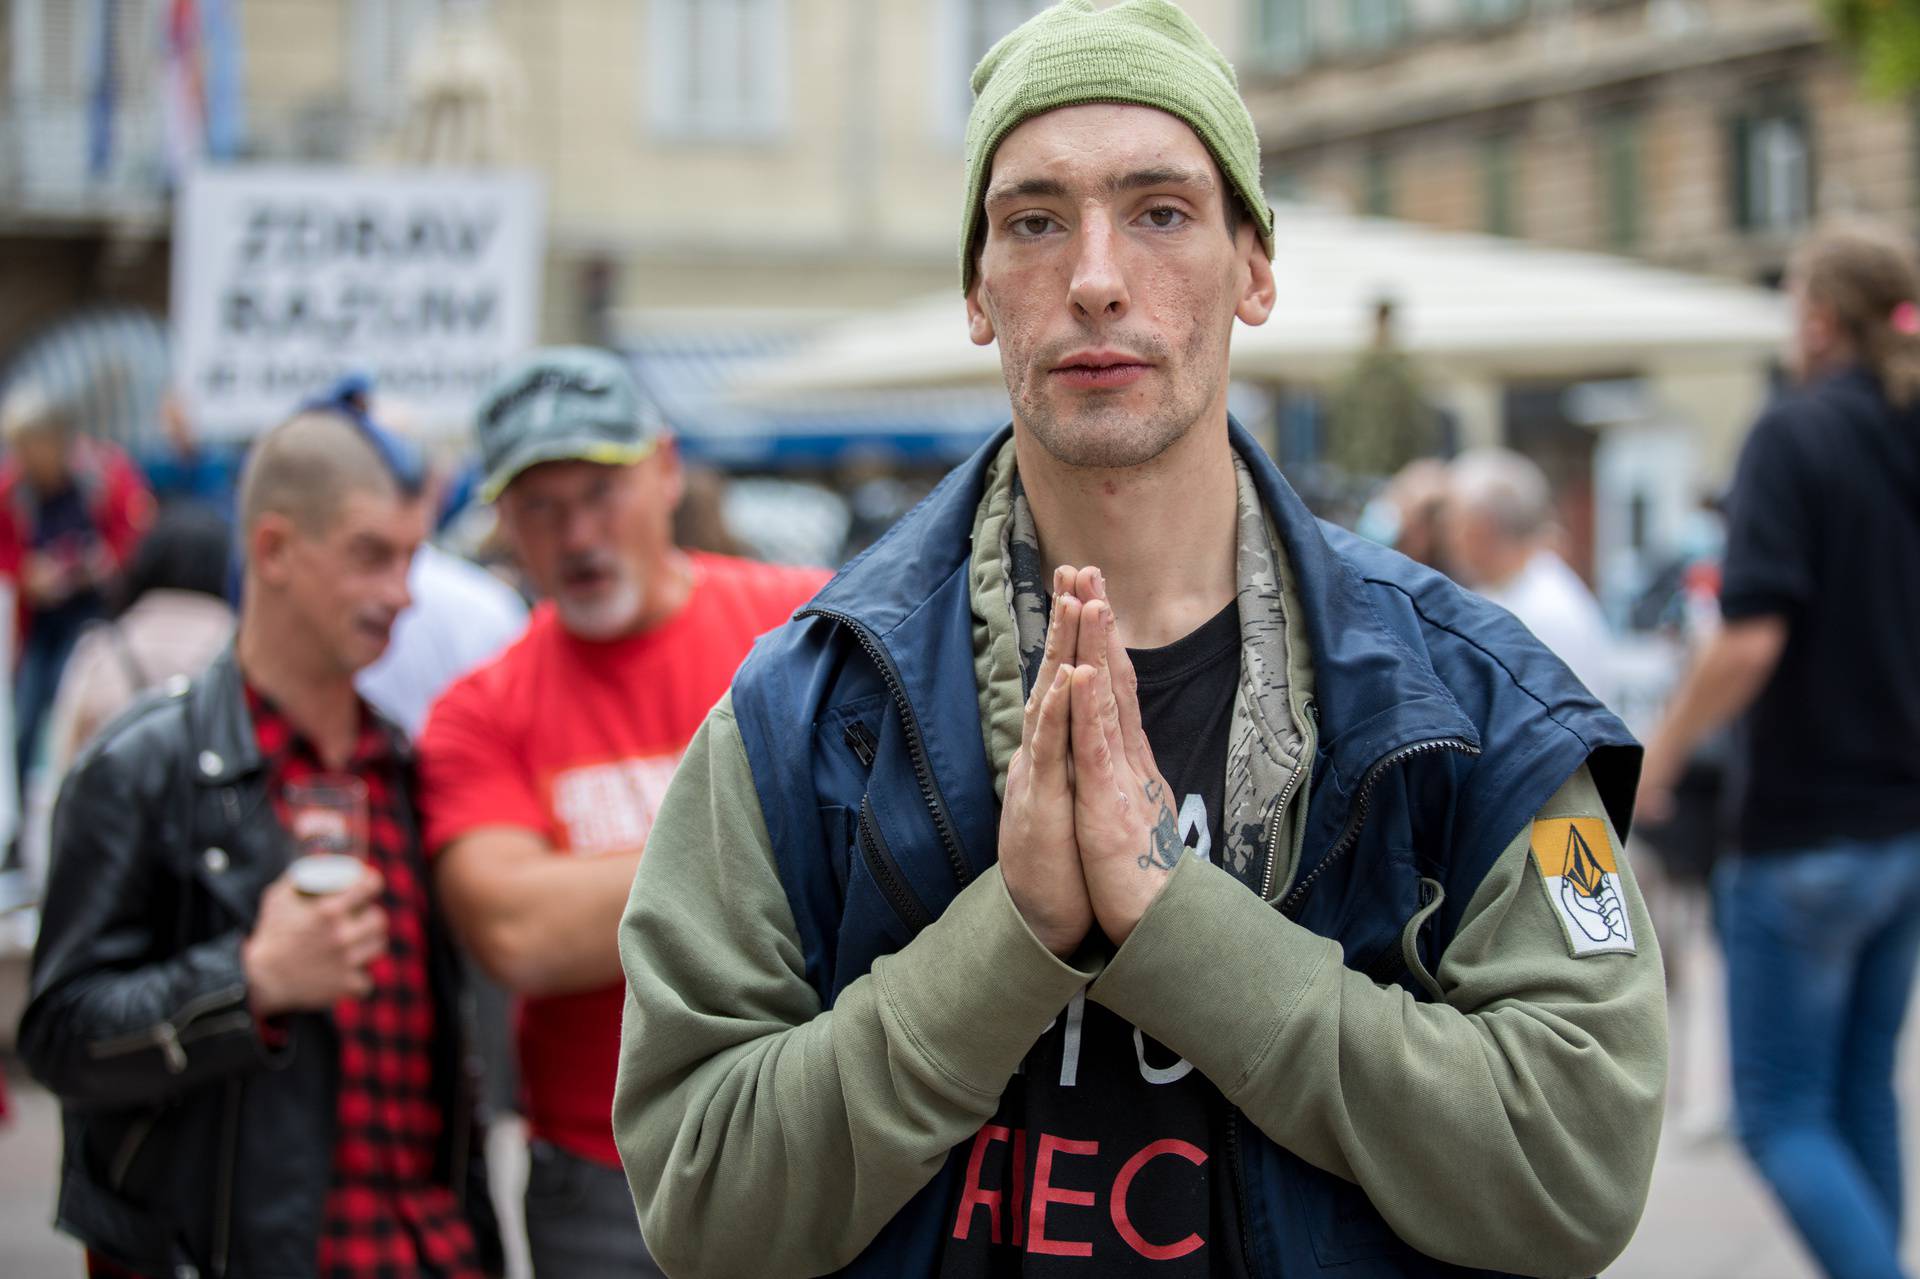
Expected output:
(226, 747)
(1376, 692)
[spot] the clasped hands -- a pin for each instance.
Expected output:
(1087, 830)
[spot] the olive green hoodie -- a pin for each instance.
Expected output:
(1509, 1124)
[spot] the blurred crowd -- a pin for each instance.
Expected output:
(546, 613)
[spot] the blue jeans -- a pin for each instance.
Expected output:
(1821, 947)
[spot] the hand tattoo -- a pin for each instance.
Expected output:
(1165, 842)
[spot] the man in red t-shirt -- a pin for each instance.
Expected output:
(541, 772)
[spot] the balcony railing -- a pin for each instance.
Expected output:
(47, 164)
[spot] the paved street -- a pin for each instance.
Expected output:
(1708, 1218)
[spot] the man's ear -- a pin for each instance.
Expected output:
(979, 323)
(673, 472)
(1257, 294)
(268, 545)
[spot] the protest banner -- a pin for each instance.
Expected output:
(284, 279)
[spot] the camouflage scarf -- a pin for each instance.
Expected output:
(1265, 743)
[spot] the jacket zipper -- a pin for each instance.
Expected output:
(916, 745)
(166, 1035)
(130, 1147)
(1273, 826)
(1238, 1177)
(223, 1210)
(886, 872)
(1351, 835)
(859, 740)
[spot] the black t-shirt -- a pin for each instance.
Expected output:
(1824, 530)
(1106, 1156)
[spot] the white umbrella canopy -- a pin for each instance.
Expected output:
(1466, 305)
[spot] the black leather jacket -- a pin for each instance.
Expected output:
(191, 1149)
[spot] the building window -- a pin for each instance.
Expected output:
(718, 68)
(1375, 24)
(1282, 184)
(1620, 180)
(1283, 33)
(1772, 170)
(968, 28)
(79, 104)
(1498, 183)
(1487, 13)
(385, 35)
(1376, 186)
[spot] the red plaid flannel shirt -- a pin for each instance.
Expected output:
(386, 1216)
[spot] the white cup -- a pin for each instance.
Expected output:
(323, 874)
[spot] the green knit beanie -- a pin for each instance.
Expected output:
(1143, 51)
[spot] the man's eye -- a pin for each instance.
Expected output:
(1166, 217)
(1034, 224)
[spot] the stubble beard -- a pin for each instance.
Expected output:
(609, 617)
(1102, 431)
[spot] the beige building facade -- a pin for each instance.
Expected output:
(765, 159)
(1698, 134)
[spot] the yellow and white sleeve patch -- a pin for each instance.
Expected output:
(1575, 857)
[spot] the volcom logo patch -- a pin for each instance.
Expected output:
(1575, 857)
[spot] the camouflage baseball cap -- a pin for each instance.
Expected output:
(563, 403)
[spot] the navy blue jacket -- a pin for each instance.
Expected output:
(1444, 726)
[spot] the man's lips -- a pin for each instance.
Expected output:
(1100, 371)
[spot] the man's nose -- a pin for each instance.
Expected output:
(1099, 288)
(579, 531)
(399, 594)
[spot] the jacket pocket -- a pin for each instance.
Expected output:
(137, 1140)
(127, 1232)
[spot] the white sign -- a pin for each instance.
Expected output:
(285, 279)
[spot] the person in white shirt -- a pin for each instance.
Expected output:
(1499, 532)
(461, 617)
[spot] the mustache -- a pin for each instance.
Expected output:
(1147, 347)
(588, 564)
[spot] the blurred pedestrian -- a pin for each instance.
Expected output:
(1116, 871)
(167, 615)
(1819, 904)
(1500, 536)
(542, 771)
(183, 468)
(260, 1068)
(460, 615)
(72, 509)
(1380, 419)
(1408, 513)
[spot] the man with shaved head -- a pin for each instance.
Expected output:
(257, 1048)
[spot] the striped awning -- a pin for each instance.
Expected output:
(692, 377)
(109, 365)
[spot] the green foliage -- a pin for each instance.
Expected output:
(1885, 36)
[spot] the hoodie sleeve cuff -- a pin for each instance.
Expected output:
(1212, 972)
(977, 988)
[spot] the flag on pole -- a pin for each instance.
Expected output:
(105, 89)
(184, 87)
(226, 113)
